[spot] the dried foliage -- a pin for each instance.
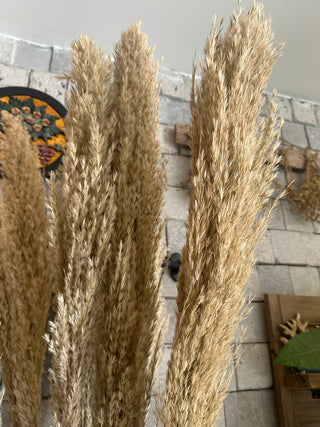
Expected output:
(82, 212)
(133, 331)
(234, 162)
(106, 239)
(306, 199)
(25, 282)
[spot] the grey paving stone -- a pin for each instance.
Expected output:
(175, 84)
(313, 134)
(185, 151)
(170, 314)
(7, 46)
(303, 111)
(311, 247)
(316, 227)
(161, 372)
(179, 170)
(221, 422)
(45, 382)
(168, 286)
(50, 84)
(294, 221)
(317, 112)
(176, 204)
(233, 383)
(13, 76)
(174, 112)
(305, 280)
(264, 109)
(151, 418)
(284, 109)
(288, 247)
(264, 250)
(254, 369)
(46, 416)
(176, 235)
(32, 55)
(251, 408)
(166, 138)
(277, 221)
(255, 325)
(61, 61)
(280, 176)
(4, 414)
(275, 279)
(164, 242)
(294, 133)
(253, 287)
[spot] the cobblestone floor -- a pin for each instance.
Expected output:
(288, 259)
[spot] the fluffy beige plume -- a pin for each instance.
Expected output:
(25, 283)
(132, 327)
(234, 160)
(106, 239)
(81, 222)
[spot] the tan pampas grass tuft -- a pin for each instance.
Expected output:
(131, 332)
(81, 222)
(234, 160)
(106, 233)
(25, 283)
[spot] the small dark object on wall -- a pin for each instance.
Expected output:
(174, 265)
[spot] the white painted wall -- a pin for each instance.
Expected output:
(177, 27)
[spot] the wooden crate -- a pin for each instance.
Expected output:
(296, 406)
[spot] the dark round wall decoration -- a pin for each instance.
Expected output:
(43, 116)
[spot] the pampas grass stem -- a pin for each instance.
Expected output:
(234, 160)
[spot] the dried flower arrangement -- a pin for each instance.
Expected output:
(234, 157)
(105, 231)
(306, 199)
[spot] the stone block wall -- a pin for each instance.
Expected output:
(288, 259)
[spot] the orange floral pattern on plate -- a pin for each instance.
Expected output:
(59, 139)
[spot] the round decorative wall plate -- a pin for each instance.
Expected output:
(43, 116)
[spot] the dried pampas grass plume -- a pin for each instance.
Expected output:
(234, 160)
(25, 282)
(131, 333)
(81, 211)
(105, 236)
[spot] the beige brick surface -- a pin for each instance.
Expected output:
(166, 138)
(264, 250)
(176, 204)
(303, 111)
(305, 280)
(254, 370)
(48, 83)
(254, 325)
(13, 76)
(179, 170)
(251, 408)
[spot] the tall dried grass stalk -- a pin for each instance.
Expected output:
(25, 282)
(131, 334)
(234, 160)
(82, 213)
(106, 239)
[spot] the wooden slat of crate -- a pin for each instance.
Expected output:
(296, 407)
